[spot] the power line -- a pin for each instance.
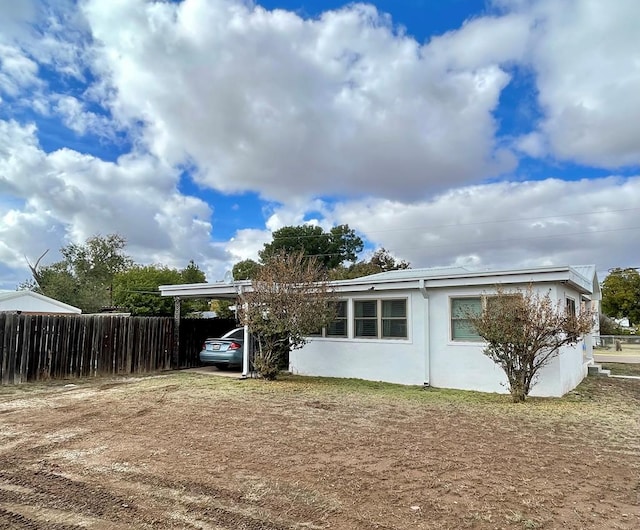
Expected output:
(474, 223)
(484, 242)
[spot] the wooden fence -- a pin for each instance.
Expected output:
(40, 347)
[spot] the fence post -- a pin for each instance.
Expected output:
(176, 332)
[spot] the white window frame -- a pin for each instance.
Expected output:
(483, 302)
(380, 318)
(322, 333)
(451, 318)
(346, 323)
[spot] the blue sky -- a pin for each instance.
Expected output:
(488, 134)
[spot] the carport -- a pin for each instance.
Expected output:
(231, 290)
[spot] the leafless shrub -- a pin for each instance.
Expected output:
(291, 299)
(524, 331)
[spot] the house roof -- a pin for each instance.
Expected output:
(17, 295)
(582, 277)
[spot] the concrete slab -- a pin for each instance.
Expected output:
(615, 358)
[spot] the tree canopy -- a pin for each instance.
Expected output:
(98, 274)
(136, 289)
(245, 270)
(381, 261)
(621, 294)
(330, 249)
(83, 278)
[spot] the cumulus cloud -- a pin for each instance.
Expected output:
(66, 196)
(344, 105)
(264, 100)
(585, 57)
(548, 222)
(76, 117)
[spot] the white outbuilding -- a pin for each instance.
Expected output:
(34, 303)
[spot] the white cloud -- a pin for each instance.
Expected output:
(77, 118)
(51, 199)
(342, 105)
(508, 224)
(532, 144)
(17, 71)
(264, 100)
(585, 57)
(246, 243)
(482, 41)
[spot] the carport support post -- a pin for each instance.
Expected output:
(245, 353)
(176, 332)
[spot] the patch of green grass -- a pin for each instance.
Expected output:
(622, 368)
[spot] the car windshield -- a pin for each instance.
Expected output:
(237, 333)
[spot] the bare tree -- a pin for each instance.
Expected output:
(291, 300)
(524, 331)
(37, 277)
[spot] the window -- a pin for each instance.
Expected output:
(394, 318)
(461, 328)
(380, 319)
(366, 318)
(570, 307)
(338, 327)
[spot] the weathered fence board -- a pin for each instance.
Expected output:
(36, 347)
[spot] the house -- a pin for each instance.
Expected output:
(406, 327)
(33, 303)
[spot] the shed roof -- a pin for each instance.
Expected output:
(16, 296)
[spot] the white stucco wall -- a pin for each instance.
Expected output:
(391, 360)
(429, 355)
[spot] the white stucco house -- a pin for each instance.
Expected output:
(406, 327)
(33, 303)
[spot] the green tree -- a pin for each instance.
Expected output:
(330, 249)
(621, 294)
(245, 270)
(83, 278)
(524, 331)
(289, 301)
(608, 326)
(192, 274)
(381, 261)
(384, 261)
(136, 289)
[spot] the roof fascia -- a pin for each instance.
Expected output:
(46, 299)
(206, 290)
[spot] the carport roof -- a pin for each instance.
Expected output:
(219, 290)
(582, 277)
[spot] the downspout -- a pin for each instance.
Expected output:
(246, 341)
(427, 335)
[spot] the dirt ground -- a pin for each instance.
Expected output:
(196, 451)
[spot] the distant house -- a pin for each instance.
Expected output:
(623, 322)
(407, 326)
(33, 303)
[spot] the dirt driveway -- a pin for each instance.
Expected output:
(193, 451)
